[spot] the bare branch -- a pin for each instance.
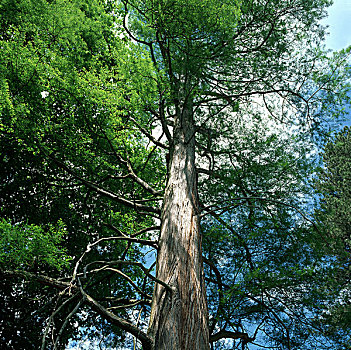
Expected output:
(131, 172)
(232, 335)
(126, 27)
(145, 340)
(56, 311)
(228, 97)
(97, 307)
(130, 239)
(148, 135)
(151, 228)
(123, 301)
(129, 304)
(147, 229)
(131, 282)
(220, 291)
(48, 281)
(276, 201)
(70, 315)
(208, 172)
(274, 314)
(161, 117)
(222, 209)
(134, 263)
(104, 192)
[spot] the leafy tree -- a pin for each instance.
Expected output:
(24, 245)
(32, 189)
(333, 185)
(177, 130)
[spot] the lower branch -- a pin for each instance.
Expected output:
(220, 291)
(133, 263)
(48, 281)
(145, 340)
(125, 325)
(232, 335)
(105, 192)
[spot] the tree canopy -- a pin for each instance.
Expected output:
(157, 161)
(333, 215)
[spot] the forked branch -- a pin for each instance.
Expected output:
(125, 325)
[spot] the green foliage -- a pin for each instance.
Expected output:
(23, 246)
(334, 183)
(66, 82)
(334, 217)
(78, 102)
(261, 240)
(194, 30)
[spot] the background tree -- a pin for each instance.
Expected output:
(168, 100)
(34, 189)
(333, 186)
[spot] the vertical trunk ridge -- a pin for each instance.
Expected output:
(179, 320)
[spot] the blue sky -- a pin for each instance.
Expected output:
(339, 21)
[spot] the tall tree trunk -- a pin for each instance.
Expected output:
(179, 319)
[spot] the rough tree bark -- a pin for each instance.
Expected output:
(179, 319)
